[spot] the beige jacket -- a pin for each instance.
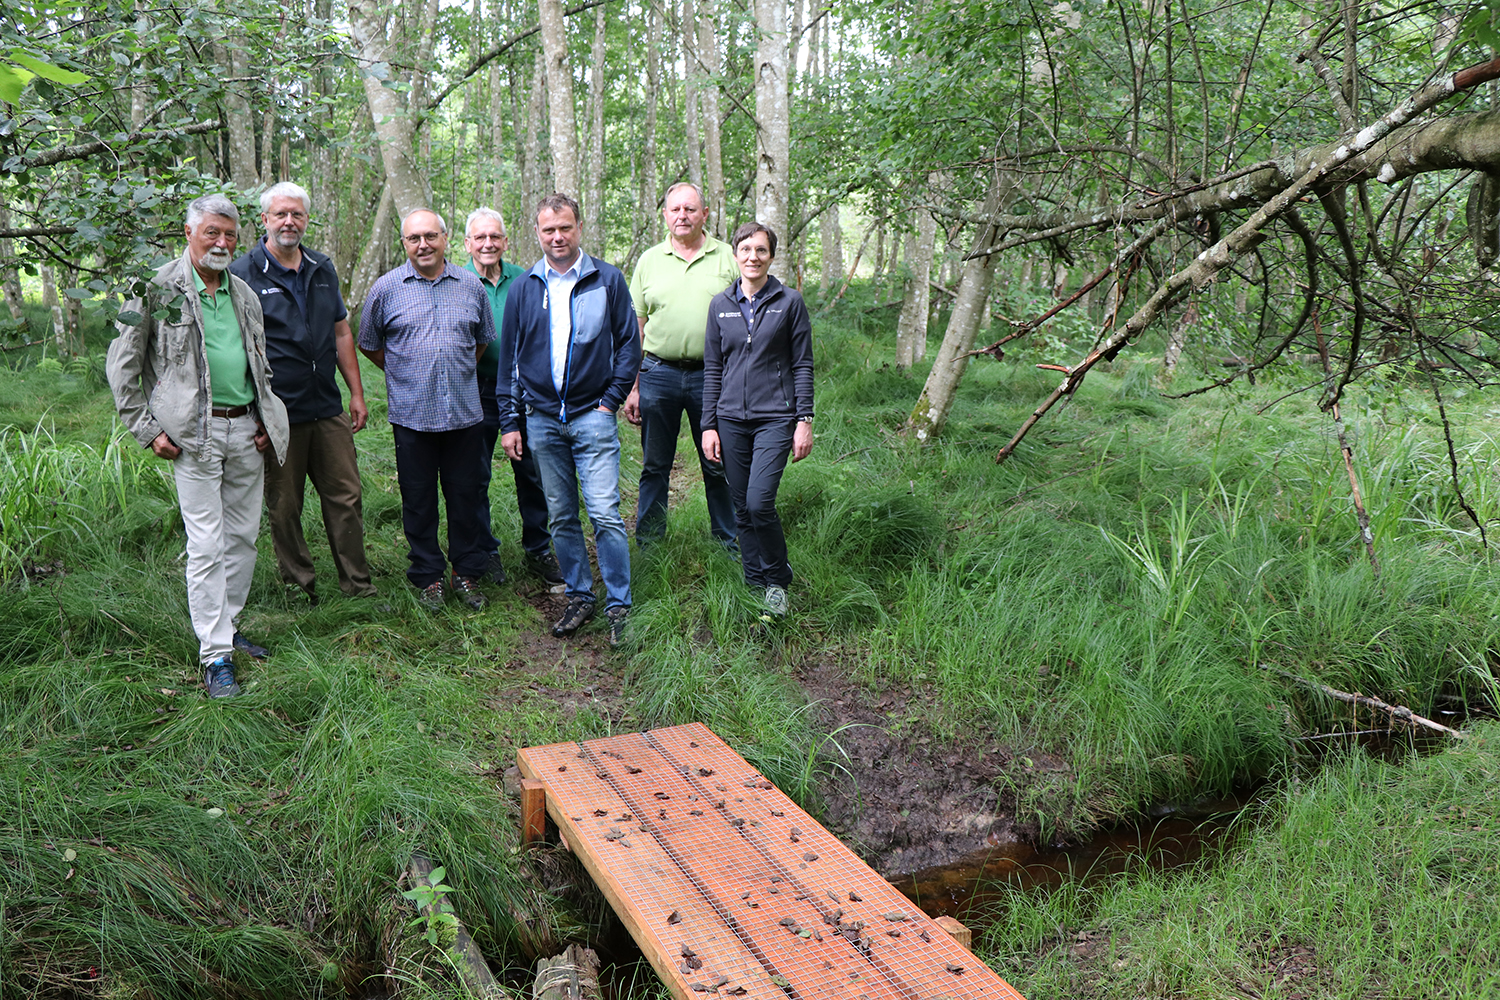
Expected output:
(158, 369)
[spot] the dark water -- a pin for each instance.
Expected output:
(968, 887)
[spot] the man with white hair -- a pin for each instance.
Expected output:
(486, 243)
(426, 324)
(193, 385)
(307, 339)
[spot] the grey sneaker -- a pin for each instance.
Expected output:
(467, 589)
(218, 677)
(776, 601)
(574, 617)
(545, 566)
(616, 616)
(249, 648)
(433, 596)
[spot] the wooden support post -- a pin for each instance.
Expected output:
(956, 931)
(533, 810)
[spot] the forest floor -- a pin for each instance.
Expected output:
(979, 656)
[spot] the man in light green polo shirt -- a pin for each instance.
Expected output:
(671, 288)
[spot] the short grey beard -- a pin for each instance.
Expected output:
(281, 241)
(214, 262)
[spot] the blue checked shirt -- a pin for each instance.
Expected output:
(430, 331)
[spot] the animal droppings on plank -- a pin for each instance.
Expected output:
(611, 753)
(602, 775)
(795, 834)
(893, 933)
(705, 771)
(809, 856)
(894, 917)
(855, 897)
(686, 951)
(632, 770)
(745, 894)
(626, 817)
(563, 768)
(674, 917)
(601, 812)
(695, 812)
(787, 922)
(722, 980)
(777, 812)
(701, 988)
(832, 895)
(925, 936)
(957, 970)
(663, 796)
(737, 822)
(773, 889)
(692, 743)
(661, 814)
(736, 991)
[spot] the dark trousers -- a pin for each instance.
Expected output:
(755, 454)
(323, 451)
(666, 393)
(456, 460)
(531, 499)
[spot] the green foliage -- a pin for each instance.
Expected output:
(437, 920)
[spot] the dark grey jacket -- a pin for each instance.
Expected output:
(763, 375)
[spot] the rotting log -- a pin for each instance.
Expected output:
(467, 958)
(573, 975)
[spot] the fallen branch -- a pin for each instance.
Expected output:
(1396, 712)
(467, 958)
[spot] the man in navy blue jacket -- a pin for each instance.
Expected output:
(570, 349)
(307, 339)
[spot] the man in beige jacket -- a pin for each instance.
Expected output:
(194, 386)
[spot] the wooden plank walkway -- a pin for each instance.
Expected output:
(730, 889)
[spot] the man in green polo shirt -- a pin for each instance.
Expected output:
(192, 383)
(486, 243)
(671, 288)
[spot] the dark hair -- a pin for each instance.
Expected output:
(556, 203)
(748, 230)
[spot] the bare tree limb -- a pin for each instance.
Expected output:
(1397, 713)
(78, 152)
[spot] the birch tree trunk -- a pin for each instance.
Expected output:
(931, 411)
(691, 77)
(55, 311)
(563, 121)
(10, 281)
(371, 263)
(774, 132)
(240, 131)
(536, 127)
(593, 202)
(911, 327)
(648, 195)
(832, 235)
(713, 156)
(393, 122)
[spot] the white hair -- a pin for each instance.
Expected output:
(210, 204)
(442, 226)
(484, 212)
(286, 189)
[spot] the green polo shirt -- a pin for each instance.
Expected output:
(489, 364)
(228, 369)
(673, 295)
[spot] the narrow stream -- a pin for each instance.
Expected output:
(962, 889)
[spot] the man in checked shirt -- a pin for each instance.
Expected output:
(425, 324)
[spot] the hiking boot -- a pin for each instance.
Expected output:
(249, 648)
(467, 589)
(617, 616)
(574, 617)
(776, 601)
(218, 677)
(494, 570)
(433, 595)
(545, 566)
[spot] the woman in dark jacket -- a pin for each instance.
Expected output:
(758, 402)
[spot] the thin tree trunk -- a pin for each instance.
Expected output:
(832, 236)
(1177, 339)
(407, 184)
(372, 258)
(536, 128)
(241, 127)
(593, 205)
(774, 133)
(691, 76)
(930, 414)
(911, 327)
(708, 53)
(563, 131)
(648, 195)
(10, 281)
(55, 311)
(416, 100)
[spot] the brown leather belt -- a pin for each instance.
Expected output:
(687, 365)
(230, 411)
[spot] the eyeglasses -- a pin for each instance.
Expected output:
(482, 238)
(417, 239)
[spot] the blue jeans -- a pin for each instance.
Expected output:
(531, 501)
(755, 454)
(583, 455)
(666, 393)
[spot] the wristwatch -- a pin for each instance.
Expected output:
(804, 420)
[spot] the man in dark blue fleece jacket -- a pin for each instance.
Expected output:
(570, 348)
